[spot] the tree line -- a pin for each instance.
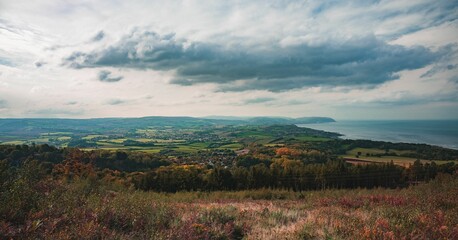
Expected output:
(154, 172)
(288, 174)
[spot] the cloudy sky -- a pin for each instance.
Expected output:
(342, 59)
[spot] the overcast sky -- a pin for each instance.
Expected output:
(342, 59)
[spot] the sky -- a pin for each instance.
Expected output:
(358, 59)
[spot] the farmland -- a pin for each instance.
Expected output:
(194, 180)
(204, 140)
(374, 155)
(182, 139)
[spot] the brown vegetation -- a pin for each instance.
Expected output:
(35, 205)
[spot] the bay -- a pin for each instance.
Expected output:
(434, 132)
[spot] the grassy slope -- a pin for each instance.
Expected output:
(87, 210)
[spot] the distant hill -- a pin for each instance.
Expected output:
(27, 126)
(279, 120)
(37, 125)
(274, 120)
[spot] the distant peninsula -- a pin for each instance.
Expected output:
(274, 120)
(38, 125)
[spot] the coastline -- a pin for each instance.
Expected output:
(443, 133)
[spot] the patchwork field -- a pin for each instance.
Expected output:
(373, 155)
(185, 140)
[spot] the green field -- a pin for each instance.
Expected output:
(232, 146)
(64, 138)
(179, 146)
(398, 160)
(92, 136)
(190, 140)
(56, 133)
(143, 140)
(17, 142)
(306, 138)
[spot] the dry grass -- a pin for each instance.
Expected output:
(91, 210)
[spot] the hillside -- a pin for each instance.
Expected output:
(23, 126)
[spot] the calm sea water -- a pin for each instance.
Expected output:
(434, 132)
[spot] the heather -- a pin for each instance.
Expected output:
(81, 205)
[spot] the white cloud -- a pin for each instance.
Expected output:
(46, 32)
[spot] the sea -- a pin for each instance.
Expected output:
(442, 133)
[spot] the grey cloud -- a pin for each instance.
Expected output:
(438, 69)
(446, 62)
(408, 99)
(105, 76)
(71, 103)
(454, 79)
(355, 62)
(115, 101)
(297, 102)
(39, 64)
(434, 13)
(96, 38)
(6, 62)
(439, 12)
(259, 100)
(99, 36)
(54, 112)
